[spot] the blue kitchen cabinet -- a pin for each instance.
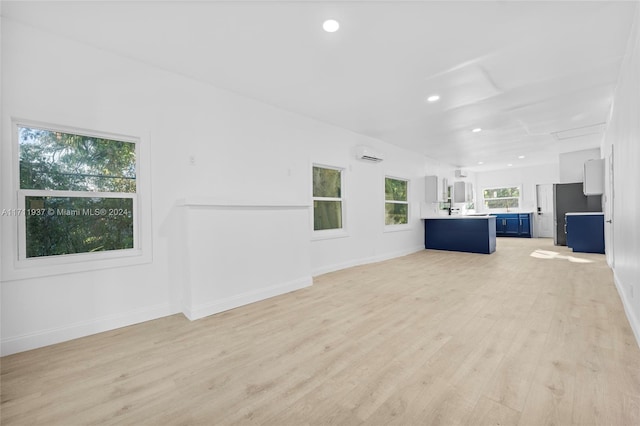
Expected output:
(585, 232)
(500, 224)
(513, 225)
(506, 224)
(461, 233)
(524, 229)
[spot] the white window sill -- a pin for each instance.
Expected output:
(329, 234)
(74, 263)
(397, 228)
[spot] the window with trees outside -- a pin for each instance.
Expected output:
(77, 193)
(327, 198)
(502, 198)
(396, 204)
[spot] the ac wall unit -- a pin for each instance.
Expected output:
(366, 153)
(461, 173)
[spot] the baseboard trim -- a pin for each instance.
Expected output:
(633, 320)
(55, 335)
(207, 309)
(365, 261)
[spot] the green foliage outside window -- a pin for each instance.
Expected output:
(327, 215)
(395, 189)
(63, 161)
(396, 207)
(327, 198)
(326, 182)
(502, 193)
(396, 214)
(502, 198)
(57, 224)
(69, 225)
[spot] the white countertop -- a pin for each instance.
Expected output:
(477, 215)
(458, 217)
(585, 214)
(519, 212)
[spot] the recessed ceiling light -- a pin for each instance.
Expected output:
(509, 165)
(521, 156)
(480, 162)
(476, 130)
(433, 98)
(331, 25)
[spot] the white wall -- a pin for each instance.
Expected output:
(98, 92)
(572, 164)
(1, 162)
(244, 154)
(525, 177)
(367, 240)
(623, 203)
(238, 254)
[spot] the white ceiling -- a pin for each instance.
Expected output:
(522, 71)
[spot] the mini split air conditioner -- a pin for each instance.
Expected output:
(366, 153)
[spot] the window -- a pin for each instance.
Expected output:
(396, 205)
(77, 193)
(327, 198)
(502, 198)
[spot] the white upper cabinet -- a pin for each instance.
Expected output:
(431, 189)
(462, 192)
(593, 183)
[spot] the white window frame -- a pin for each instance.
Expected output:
(401, 226)
(330, 233)
(491, 188)
(23, 267)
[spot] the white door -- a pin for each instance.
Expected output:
(609, 203)
(544, 214)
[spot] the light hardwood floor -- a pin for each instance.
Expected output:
(430, 338)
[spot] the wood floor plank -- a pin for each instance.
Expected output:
(512, 379)
(491, 413)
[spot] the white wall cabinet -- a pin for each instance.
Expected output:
(593, 183)
(444, 195)
(431, 189)
(436, 189)
(462, 192)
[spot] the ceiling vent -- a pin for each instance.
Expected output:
(366, 153)
(592, 129)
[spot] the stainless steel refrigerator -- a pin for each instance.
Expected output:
(568, 198)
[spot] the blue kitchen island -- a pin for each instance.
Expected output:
(473, 234)
(585, 232)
